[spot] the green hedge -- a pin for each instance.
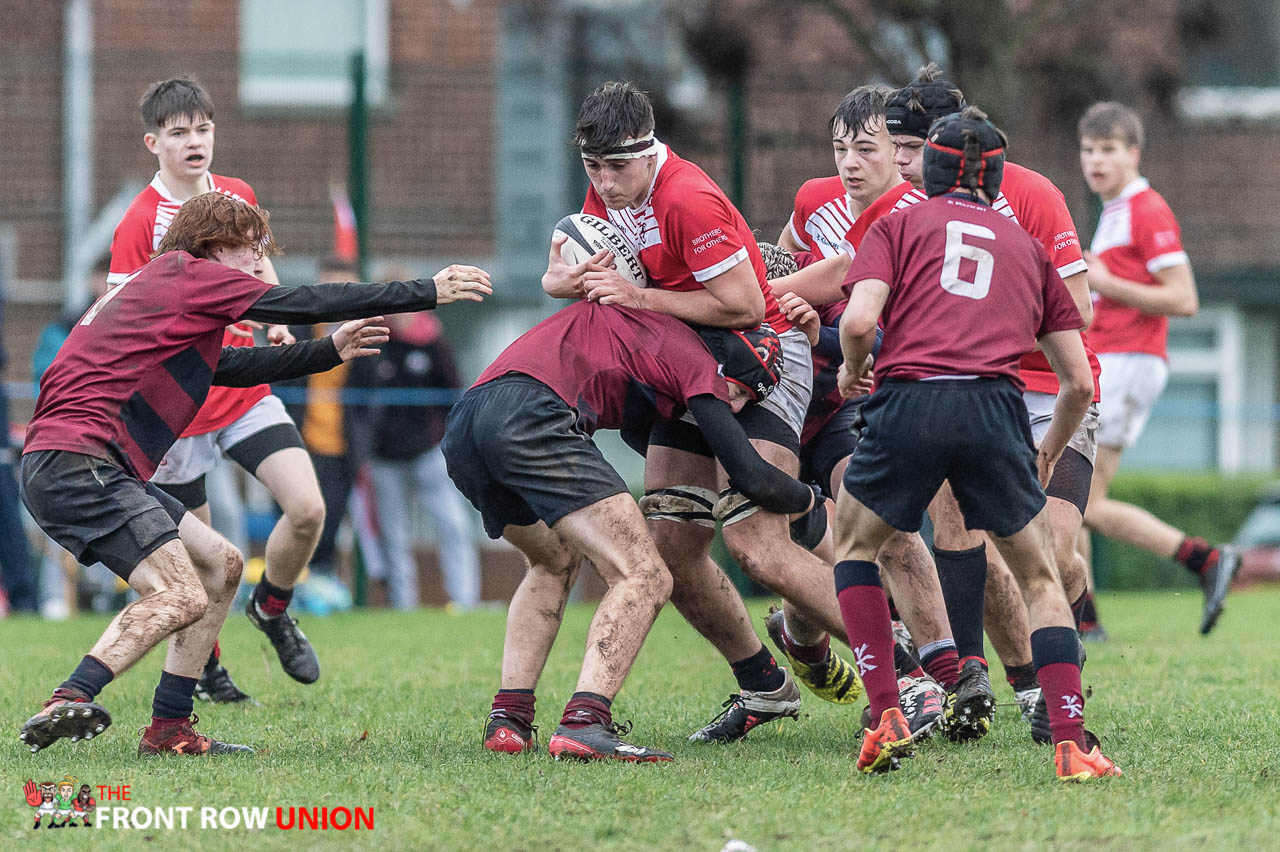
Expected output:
(1211, 506)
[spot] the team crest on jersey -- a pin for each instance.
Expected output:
(640, 227)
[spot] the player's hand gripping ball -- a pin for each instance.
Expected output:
(589, 235)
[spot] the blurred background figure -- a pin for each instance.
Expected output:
(411, 388)
(19, 583)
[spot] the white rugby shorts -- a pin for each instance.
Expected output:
(1131, 382)
(190, 458)
(1040, 409)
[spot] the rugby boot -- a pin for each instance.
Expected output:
(297, 658)
(888, 743)
(509, 736)
(1072, 764)
(1216, 582)
(69, 714)
(1040, 732)
(602, 742)
(743, 711)
(833, 679)
(215, 685)
(970, 704)
(181, 738)
(922, 700)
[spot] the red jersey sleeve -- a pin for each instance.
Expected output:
(1042, 211)
(800, 211)
(704, 235)
(1156, 234)
(1060, 311)
(217, 294)
(875, 258)
(131, 243)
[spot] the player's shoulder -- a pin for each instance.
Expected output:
(816, 192)
(1148, 201)
(1022, 182)
(143, 206)
(235, 187)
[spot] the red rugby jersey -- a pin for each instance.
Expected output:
(138, 235)
(820, 219)
(136, 368)
(960, 259)
(1137, 237)
(614, 365)
(687, 232)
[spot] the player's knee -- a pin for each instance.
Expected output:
(307, 517)
(232, 569)
(188, 603)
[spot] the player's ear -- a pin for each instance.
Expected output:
(150, 140)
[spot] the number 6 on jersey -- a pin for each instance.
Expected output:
(956, 250)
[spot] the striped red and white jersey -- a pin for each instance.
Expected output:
(143, 225)
(820, 219)
(147, 220)
(1137, 237)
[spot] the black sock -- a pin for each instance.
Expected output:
(963, 576)
(1021, 677)
(1088, 612)
(271, 600)
(904, 661)
(173, 698)
(758, 673)
(89, 677)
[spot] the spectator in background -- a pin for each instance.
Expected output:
(406, 462)
(15, 559)
(327, 430)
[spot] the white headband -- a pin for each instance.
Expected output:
(627, 149)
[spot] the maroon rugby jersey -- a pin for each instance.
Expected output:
(969, 291)
(614, 364)
(134, 371)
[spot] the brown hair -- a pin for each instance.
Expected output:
(1111, 120)
(181, 97)
(212, 219)
(613, 112)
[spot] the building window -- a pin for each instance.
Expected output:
(297, 53)
(1232, 59)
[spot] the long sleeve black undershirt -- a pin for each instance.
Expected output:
(753, 476)
(341, 302)
(246, 366)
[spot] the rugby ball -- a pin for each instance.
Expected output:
(588, 235)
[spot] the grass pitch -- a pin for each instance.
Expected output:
(394, 723)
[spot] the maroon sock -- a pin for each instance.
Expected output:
(865, 613)
(811, 654)
(587, 708)
(943, 665)
(1057, 660)
(516, 704)
(1196, 555)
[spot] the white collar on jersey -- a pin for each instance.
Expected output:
(1132, 188)
(158, 186)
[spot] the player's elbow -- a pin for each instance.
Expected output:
(1187, 306)
(856, 324)
(1086, 313)
(1079, 385)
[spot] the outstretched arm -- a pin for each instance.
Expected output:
(753, 476)
(246, 366)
